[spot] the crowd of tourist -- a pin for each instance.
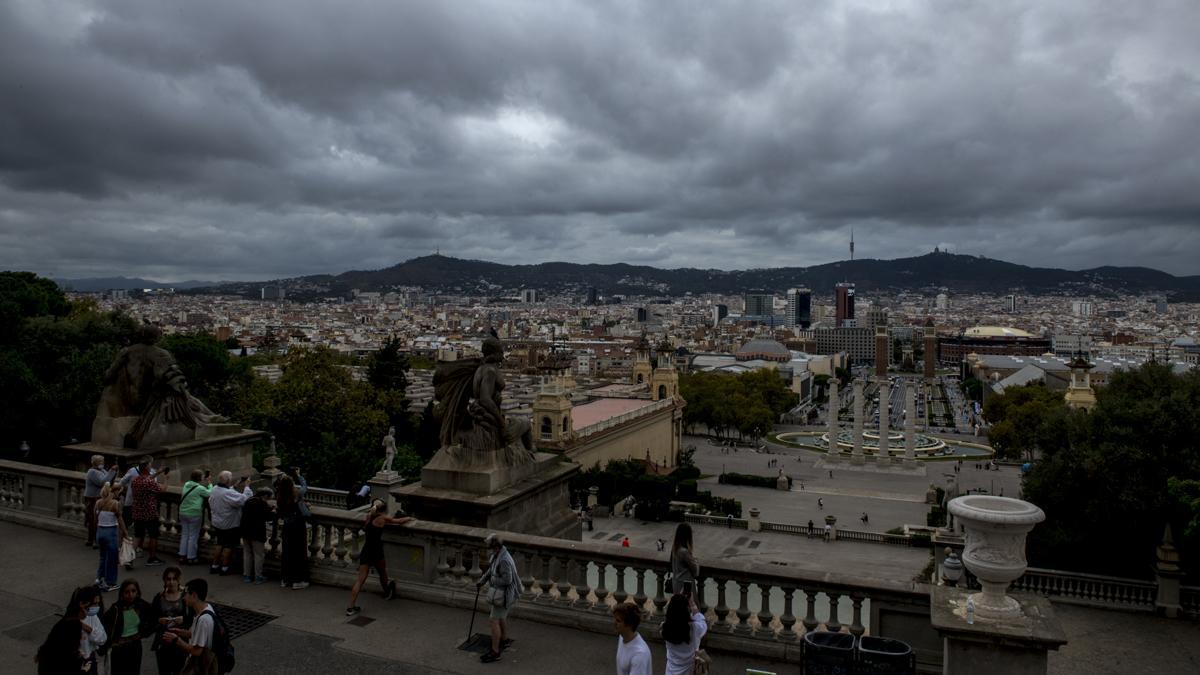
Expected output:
(182, 626)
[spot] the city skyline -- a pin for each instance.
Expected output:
(222, 143)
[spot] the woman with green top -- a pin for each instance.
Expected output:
(193, 496)
(127, 621)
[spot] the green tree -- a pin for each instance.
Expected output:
(1025, 419)
(1113, 477)
(211, 373)
(388, 367)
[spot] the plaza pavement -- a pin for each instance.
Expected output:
(39, 569)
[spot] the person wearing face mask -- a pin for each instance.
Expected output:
(169, 611)
(86, 605)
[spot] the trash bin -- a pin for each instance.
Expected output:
(827, 653)
(885, 656)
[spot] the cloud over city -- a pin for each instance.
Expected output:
(235, 140)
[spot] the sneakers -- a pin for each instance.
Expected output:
(107, 588)
(246, 579)
(351, 611)
(299, 585)
(505, 643)
(490, 657)
(154, 562)
(391, 590)
(224, 571)
(213, 569)
(260, 580)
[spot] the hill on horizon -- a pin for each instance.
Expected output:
(955, 272)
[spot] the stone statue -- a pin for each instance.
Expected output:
(389, 450)
(468, 394)
(145, 403)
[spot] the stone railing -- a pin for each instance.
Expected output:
(1189, 599)
(1089, 589)
(722, 521)
(326, 497)
(754, 608)
(801, 530)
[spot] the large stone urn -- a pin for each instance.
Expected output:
(995, 547)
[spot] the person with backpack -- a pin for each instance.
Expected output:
(206, 643)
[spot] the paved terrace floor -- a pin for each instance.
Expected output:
(38, 570)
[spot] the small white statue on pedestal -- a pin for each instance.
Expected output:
(389, 450)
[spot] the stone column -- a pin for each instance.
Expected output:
(1167, 574)
(754, 524)
(910, 423)
(885, 397)
(857, 454)
(834, 405)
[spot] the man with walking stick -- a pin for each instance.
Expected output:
(504, 590)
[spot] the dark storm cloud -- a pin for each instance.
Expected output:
(247, 140)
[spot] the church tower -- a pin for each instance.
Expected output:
(1080, 394)
(552, 421)
(664, 381)
(642, 368)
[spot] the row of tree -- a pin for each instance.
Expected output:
(54, 353)
(1108, 479)
(746, 404)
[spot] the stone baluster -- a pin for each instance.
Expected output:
(722, 608)
(343, 552)
(314, 544)
(743, 610)
(765, 617)
(856, 625)
(601, 605)
(620, 595)
(458, 571)
(327, 547)
(640, 596)
(810, 617)
(660, 600)
(787, 619)
(564, 580)
(701, 603)
(582, 589)
(527, 579)
(476, 570)
(833, 623)
(546, 582)
(442, 568)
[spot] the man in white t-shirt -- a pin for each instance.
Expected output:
(199, 638)
(633, 654)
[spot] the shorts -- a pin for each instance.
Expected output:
(146, 528)
(230, 538)
(499, 613)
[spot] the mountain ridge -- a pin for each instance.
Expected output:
(937, 270)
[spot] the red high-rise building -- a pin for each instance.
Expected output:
(843, 299)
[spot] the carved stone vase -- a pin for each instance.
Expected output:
(995, 547)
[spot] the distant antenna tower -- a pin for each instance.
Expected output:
(851, 243)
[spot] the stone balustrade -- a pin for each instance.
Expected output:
(1092, 589)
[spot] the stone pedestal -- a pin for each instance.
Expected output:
(382, 485)
(754, 524)
(1017, 645)
(232, 451)
(782, 483)
(532, 498)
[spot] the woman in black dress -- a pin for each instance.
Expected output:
(372, 554)
(293, 559)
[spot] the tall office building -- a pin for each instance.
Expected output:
(593, 297)
(843, 300)
(759, 303)
(799, 307)
(942, 301)
(1012, 304)
(642, 315)
(530, 295)
(719, 312)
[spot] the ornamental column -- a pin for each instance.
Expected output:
(885, 399)
(834, 405)
(857, 453)
(910, 423)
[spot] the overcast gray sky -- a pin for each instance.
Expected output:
(233, 139)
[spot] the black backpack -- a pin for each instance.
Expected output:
(222, 645)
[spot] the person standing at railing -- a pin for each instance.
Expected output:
(193, 495)
(225, 505)
(684, 568)
(255, 515)
(505, 590)
(146, 487)
(110, 532)
(294, 515)
(633, 654)
(97, 478)
(682, 630)
(372, 554)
